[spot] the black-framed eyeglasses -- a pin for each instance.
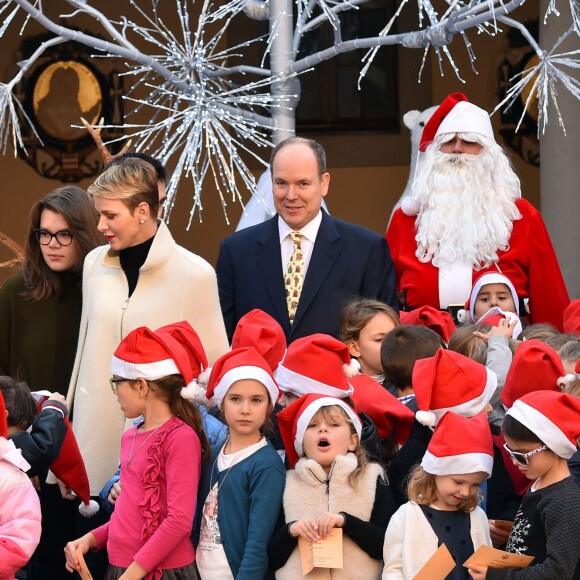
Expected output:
(523, 459)
(44, 237)
(115, 382)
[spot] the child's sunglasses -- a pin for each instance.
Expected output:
(523, 459)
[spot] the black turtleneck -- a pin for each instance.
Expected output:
(132, 259)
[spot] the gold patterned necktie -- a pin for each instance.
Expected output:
(294, 277)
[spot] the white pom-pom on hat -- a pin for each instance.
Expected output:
(352, 369)
(90, 509)
(195, 393)
(426, 418)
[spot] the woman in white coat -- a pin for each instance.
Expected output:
(140, 278)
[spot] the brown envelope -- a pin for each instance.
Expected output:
(325, 553)
(438, 566)
(492, 558)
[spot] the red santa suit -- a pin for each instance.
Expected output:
(530, 263)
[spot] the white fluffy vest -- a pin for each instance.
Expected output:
(309, 492)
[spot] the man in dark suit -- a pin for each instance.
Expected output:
(338, 261)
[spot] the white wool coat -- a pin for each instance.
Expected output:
(306, 495)
(173, 285)
(410, 540)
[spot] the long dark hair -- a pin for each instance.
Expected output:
(77, 209)
(170, 386)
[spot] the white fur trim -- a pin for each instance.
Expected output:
(510, 316)
(297, 384)
(426, 418)
(240, 373)
(457, 464)
(492, 278)
(410, 206)
(454, 283)
(312, 409)
(90, 509)
(465, 117)
(150, 371)
(474, 406)
(543, 428)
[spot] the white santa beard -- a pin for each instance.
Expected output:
(466, 207)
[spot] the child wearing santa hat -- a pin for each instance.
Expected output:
(321, 364)
(149, 532)
(443, 493)
(242, 485)
(444, 382)
(214, 429)
(20, 507)
(363, 325)
(257, 329)
(331, 485)
(541, 431)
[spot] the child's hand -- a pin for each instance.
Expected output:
(504, 328)
(57, 397)
(305, 528)
(499, 536)
(326, 521)
(114, 492)
(65, 491)
(478, 572)
(86, 543)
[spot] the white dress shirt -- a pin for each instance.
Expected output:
(309, 233)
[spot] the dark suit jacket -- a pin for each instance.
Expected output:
(347, 261)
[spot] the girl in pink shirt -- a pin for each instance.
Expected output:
(149, 532)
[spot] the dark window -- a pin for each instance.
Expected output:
(330, 99)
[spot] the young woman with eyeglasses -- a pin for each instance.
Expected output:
(40, 307)
(40, 312)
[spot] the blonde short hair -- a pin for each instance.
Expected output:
(422, 490)
(132, 181)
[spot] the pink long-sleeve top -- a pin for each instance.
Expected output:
(19, 512)
(154, 514)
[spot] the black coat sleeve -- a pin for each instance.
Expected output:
(41, 446)
(370, 536)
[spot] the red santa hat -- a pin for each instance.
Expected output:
(388, 414)
(186, 336)
(317, 363)
(69, 466)
(3, 420)
(150, 355)
(553, 417)
(535, 367)
(439, 321)
(460, 445)
(432, 125)
(456, 115)
(571, 321)
(468, 314)
(260, 331)
(450, 381)
(294, 419)
(236, 365)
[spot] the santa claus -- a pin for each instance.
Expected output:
(465, 216)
